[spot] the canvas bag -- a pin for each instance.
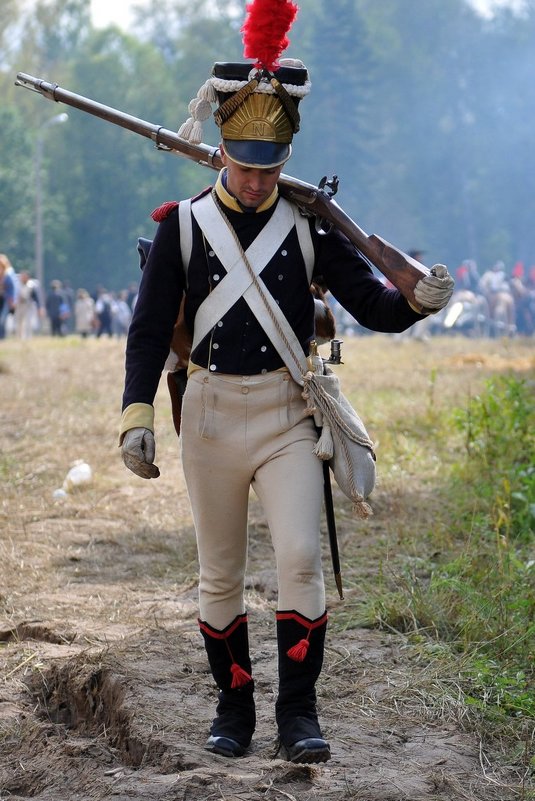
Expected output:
(343, 441)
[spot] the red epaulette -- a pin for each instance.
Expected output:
(164, 210)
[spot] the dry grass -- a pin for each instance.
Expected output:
(107, 577)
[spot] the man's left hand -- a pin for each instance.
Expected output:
(433, 291)
(138, 451)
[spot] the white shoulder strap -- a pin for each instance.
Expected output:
(301, 226)
(236, 281)
(305, 240)
(185, 227)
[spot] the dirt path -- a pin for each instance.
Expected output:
(106, 692)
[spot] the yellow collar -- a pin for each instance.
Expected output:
(230, 201)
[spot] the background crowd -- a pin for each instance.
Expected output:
(498, 302)
(25, 310)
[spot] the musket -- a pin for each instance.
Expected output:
(400, 269)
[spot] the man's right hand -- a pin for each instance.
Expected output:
(138, 450)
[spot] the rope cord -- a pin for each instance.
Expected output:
(222, 85)
(328, 407)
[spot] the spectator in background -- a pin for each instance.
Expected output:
(8, 292)
(84, 313)
(524, 298)
(495, 287)
(467, 276)
(70, 298)
(475, 313)
(28, 307)
(104, 312)
(57, 308)
(122, 314)
(131, 295)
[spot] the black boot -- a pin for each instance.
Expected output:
(228, 655)
(301, 643)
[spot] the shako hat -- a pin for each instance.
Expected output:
(258, 103)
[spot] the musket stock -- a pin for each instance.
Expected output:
(400, 269)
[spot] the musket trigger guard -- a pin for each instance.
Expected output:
(322, 226)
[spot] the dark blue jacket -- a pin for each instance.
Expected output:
(238, 344)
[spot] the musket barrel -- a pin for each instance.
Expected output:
(162, 137)
(403, 271)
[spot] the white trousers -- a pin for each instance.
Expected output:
(252, 431)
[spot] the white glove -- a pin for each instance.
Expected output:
(433, 291)
(138, 450)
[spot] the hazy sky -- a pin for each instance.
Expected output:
(105, 12)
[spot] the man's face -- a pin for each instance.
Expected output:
(250, 185)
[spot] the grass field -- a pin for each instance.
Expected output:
(443, 569)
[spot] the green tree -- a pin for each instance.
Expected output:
(338, 112)
(8, 39)
(16, 189)
(424, 110)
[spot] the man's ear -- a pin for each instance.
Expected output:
(222, 154)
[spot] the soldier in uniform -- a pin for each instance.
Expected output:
(244, 420)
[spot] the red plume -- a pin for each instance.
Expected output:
(264, 31)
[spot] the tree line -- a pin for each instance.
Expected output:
(425, 111)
